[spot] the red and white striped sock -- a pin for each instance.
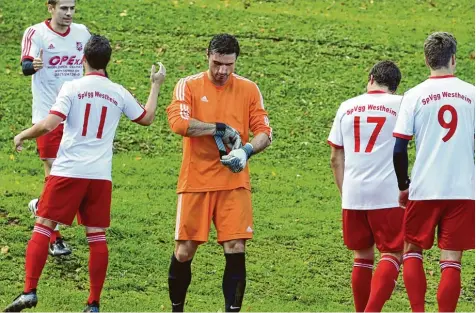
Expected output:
(36, 255)
(98, 261)
(361, 280)
(383, 283)
(415, 280)
(449, 288)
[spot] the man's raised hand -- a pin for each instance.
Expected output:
(38, 62)
(159, 76)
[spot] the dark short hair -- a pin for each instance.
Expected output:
(224, 44)
(98, 52)
(386, 73)
(439, 47)
(53, 2)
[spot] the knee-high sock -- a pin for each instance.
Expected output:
(36, 255)
(450, 286)
(415, 280)
(234, 281)
(361, 280)
(180, 276)
(98, 261)
(383, 283)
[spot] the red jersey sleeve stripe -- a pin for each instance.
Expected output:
(25, 42)
(402, 136)
(140, 117)
(58, 114)
(28, 42)
(334, 145)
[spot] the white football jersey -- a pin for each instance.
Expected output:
(440, 114)
(62, 61)
(363, 128)
(92, 107)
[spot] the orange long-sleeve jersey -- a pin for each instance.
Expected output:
(238, 103)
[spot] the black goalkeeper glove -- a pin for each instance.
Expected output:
(231, 138)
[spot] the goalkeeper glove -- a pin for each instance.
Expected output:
(231, 138)
(236, 159)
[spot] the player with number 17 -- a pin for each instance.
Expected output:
(361, 159)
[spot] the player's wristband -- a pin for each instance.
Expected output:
(248, 147)
(404, 185)
(27, 68)
(220, 129)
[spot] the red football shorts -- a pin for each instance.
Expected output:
(364, 228)
(454, 218)
(230, 211)
(48, 144)
(64, 198)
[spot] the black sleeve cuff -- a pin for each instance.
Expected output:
(404, 185)
(27, 68)
(220, 129)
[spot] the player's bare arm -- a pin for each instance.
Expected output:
(43, 127)
(337, 165)
(157, 79)
(198, 128)
(260, 142)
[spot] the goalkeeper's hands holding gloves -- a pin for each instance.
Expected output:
(236, 159)
(231, 138)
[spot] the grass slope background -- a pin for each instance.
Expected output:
(307, 57)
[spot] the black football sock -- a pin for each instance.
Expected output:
(234, 281)
(180, 276)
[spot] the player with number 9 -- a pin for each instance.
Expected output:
(362, 144)
(440, 114)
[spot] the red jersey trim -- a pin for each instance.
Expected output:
(334, 145)
(95, 74)
(402, 136)
(140, 117)
(27, 57)
(48, 21)
(375, 91)
(444, 76)
(58, 114)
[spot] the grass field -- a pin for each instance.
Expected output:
(307, 57)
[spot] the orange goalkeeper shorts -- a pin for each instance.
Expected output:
(230, 211)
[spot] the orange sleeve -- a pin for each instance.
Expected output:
(259, 122)
(179, 111)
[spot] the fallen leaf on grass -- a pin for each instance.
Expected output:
(4, 250)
